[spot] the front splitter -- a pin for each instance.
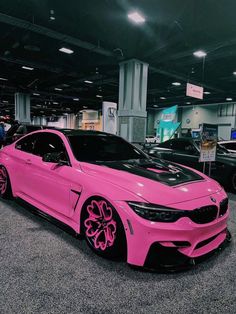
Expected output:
(162, 259)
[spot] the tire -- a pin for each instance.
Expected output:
(233, 182)
(5, 184)
(103, 229)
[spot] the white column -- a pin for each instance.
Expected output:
(22, 107)
(132, 100)
(71, 121)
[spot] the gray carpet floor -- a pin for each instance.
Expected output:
(45, 270)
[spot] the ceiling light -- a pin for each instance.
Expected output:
(234, 73)
(5, 101)
(88, 82)
(136, 17)
(66, 50)
(163, 98)
(188, 103)
(229, 99)
(85, 107)
(176, 83)
(99, 96)
(55, 103)
(27, 68)
(200, 54)
(3, 79)
(76, 99)
(155, 106)
(36, 94)
(59, 89)
(206, 93)
(52, 18)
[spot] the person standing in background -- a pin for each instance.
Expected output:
(2, 133)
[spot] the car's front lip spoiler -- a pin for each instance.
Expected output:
(182, 262)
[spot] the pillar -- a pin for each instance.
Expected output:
(71, 121)
(22, 107)
(132, 100)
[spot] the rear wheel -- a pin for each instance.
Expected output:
(5, 184)
(233, 182)
(103, 229)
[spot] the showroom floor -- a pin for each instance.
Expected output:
(45, 270)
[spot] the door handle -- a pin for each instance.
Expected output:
(28, 162)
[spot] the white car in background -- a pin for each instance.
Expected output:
(151, 139)
(229, 145)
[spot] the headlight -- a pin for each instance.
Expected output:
(155, 212)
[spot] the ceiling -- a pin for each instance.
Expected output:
(101, 36)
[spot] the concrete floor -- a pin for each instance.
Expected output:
(45, 270)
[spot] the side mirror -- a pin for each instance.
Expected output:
(55, 158)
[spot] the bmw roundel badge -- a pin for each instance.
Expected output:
(213, 199)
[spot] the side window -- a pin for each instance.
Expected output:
(50, 143)
(167, 144)
(184, 146)
(27, 144)
(230, 146)
(21, 129)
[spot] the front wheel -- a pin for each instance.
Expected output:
(5, 184)
(103, 229)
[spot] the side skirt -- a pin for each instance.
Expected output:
(34, 210)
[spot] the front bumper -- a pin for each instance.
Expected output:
(172, 245)
(169, 259)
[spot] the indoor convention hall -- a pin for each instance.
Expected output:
(117, 157)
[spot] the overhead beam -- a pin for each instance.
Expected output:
(10, 20)
(183, 78)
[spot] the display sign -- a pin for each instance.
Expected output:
(109, 117)
(167, 125)
(209, 136)
(194, 91)
(167, 129)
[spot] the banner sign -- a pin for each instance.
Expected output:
(209, 136)
(109, 117)
(194, 91)
(169, 114)
(167, 129)
(167, 125)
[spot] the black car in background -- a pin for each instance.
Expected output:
(186, 151)
(16, 131)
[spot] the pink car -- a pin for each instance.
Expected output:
(151, 212)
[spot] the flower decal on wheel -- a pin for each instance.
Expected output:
(100, 225)
(3, 180)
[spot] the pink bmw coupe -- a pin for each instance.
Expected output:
(151, 212)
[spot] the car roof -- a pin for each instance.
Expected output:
(225, 142)
(73, 132)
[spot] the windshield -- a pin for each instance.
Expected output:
(103, 148)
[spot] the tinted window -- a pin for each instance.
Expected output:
(184, 146)
(27, 144)
(167, 144)
(229, 146)
(103, 148)
(48, 143)
(31, 128)
(21, 129)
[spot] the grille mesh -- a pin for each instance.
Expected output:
(204, 214)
